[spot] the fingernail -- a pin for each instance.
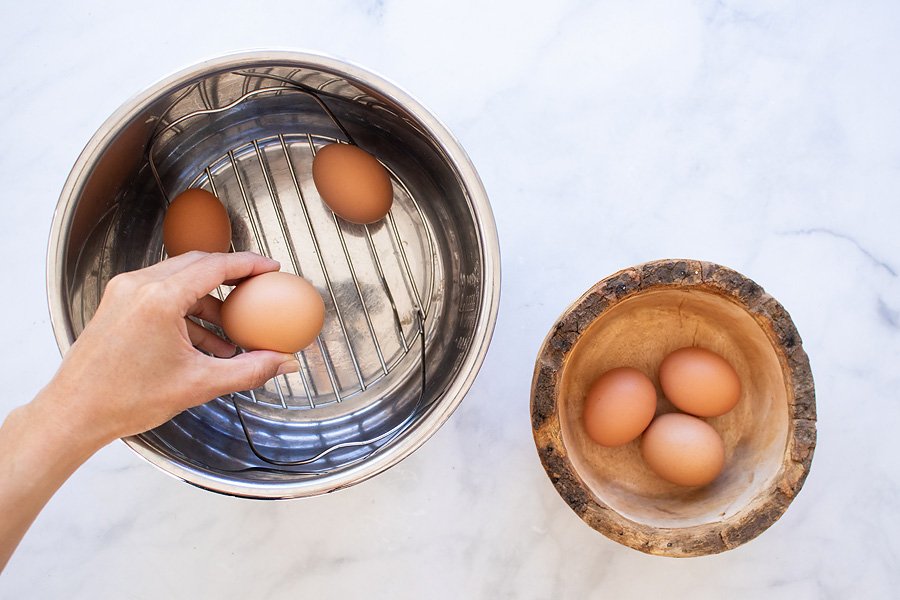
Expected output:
(288, 366)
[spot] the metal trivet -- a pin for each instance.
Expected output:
(231, 171)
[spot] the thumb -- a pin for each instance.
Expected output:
(250, 370)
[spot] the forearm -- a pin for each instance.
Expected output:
(40, 447)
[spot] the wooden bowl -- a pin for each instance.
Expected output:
(635, 318)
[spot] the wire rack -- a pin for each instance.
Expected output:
(377, 298)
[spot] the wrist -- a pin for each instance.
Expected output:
(61, 415)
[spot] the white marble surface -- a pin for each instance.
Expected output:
(761, 135)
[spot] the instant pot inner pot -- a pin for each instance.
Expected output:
(250, 135)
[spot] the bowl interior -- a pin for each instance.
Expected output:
(639, 332)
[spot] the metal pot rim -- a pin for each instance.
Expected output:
(483, 220)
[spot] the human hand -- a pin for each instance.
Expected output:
(135, 365)
(132, 368)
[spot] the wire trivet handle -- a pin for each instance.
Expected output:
(391, 432)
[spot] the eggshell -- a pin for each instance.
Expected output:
(273, 311)
(683, 449)
(352, 183)
(619, 406)
(700, 382)
(196, 220)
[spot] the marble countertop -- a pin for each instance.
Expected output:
(759, 135)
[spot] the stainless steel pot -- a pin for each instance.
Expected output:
(412, 300)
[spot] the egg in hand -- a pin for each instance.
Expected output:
(273, 311)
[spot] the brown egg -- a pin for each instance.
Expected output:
(352, 183)
(699, 382)
(619, 406)
(683, 449)
(273, 311)
(196, 220)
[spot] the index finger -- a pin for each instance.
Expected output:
(166, 268)
(202, 276)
